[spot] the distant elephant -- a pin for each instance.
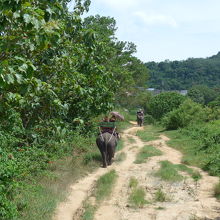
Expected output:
(140, 120)
(107, 143)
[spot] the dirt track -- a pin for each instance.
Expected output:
(188, 199)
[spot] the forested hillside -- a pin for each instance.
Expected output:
(58, 72)
(177, 75)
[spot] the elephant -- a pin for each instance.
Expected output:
(140, 120)
(107, 143)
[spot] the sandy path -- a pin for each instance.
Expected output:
(187, 199)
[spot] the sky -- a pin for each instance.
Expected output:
(165, 29)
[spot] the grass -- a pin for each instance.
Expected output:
(187, 146)
(137, 196)
(168, 172)
(104, 185)
(89, 212)
(131, 140)
(120, 157)
(133, 182)
(120, 145)
(194, 174)
(160, 196)
(145, 153)
(149, 133)
(92, 156)
(217, 191)
(101, 191)
(40, 198)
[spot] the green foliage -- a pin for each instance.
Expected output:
(208, 142)
(187, 113)
(163, 103)
(200, 145)
(177, 75)
(202, 94)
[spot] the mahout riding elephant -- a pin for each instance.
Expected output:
(107, 143)
(140, 120)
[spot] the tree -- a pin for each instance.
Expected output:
(163, 103)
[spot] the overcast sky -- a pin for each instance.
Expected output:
(165, 29)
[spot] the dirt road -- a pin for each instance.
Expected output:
(188, 199)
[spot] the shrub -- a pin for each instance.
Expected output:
(163, 103)
(207, 136)
(187, 113)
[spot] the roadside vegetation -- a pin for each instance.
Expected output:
(161, 196)
(168, 172)
(101, 191)
(146, 152)
(149, 133)
(137, 194)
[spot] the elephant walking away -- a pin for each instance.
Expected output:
(107, 143)
(140, 120)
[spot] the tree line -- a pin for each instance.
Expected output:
(177, 75)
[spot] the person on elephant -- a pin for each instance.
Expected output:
(140, 112)
(114, 130)
(104, 127)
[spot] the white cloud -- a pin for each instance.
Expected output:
(156, 19)
(120, 4)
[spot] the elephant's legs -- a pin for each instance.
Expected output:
(104, 159)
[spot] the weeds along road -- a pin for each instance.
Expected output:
(143, 190)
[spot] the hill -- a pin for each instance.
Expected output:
(176, 75)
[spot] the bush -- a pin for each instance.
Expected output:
(187, 113)
(163, 103)
(207, 136)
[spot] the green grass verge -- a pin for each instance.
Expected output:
(194, 174)
(89, 212)
(120, 145)
(137, 196)
(133, 182)
(101, 191)
(149, 133)
(187, 146)
(104, 185)
(168, 172)
(40, 198)
(146, 152)
(217, 191)
(160, 196)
